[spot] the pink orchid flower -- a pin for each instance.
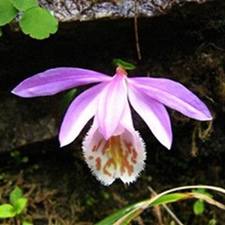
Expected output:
(113, 148)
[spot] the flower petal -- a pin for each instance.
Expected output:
(126, 121)
(81, 110)
(55, 80)
(173, 95)
(111, 105)
(120, 156)
(153, 113)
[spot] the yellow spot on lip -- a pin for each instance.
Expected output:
(107, 165)
(121, 156)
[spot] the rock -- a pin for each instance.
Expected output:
(86, 10)
(25, 121)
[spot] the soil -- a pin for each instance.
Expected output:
(187, 45)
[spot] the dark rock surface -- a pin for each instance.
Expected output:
(86, 10)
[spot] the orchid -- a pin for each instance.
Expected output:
(113, 148)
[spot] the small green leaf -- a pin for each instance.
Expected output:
(38, 23)
(24, 159)
(15, 154)
(202, 191)
(27, 223)
(106, 195)
(198, 207)
(7, 211)
(20, 205)
(16, 194)
(7, 12)
(172, 222)
(24, 5)
(0, 32)
(69, 96)
(212, 222)
(124, 64)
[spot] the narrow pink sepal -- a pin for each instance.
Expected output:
(173, 95)
(53, 81)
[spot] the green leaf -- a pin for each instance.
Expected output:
(15, 154)
(7, 211)
(202, 191)
(38, 23)
(7, 12)
(69, 96)
(212, 222)
(198, 207)
(169, 198)
(17, 200)
(124, 64)
(20, 205)
(16, 194)
(24, 159)
(172, 222)
(0, 32)
(27, 223)
(23, 5)
(138, 207)
(111, 219)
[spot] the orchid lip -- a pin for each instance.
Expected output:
(121, 156)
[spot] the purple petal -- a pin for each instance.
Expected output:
(81, 110)
(55, 80)
(111, 106)
(153, 113)
(126, 120)
(173, 95)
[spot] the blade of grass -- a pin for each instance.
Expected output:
(124, 216)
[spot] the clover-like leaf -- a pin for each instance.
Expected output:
(7, 211)
(16, 194)
(38, 23)
(20, 205)
(17, 200)
(24, 5)
(7, 12)
(198, 207)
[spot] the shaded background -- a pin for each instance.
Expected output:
(187, 45)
